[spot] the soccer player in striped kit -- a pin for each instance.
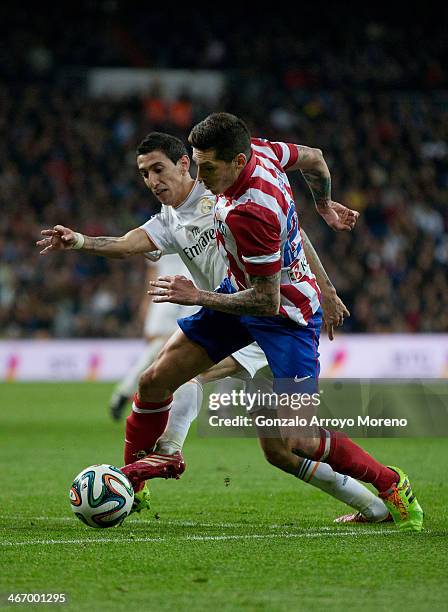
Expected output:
(269, 296)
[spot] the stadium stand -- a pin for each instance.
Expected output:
(379, 115)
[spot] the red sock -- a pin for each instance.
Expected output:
(348, 458)
(143, 429)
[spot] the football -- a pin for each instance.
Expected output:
(101, 496)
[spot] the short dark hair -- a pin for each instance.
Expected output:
(226, 134)
(171, 146)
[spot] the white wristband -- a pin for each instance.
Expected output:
(79, 241)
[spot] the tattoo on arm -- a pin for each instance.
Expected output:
(319, 183)
(261, 299)
(312, 165)
(316, 265)
(134, 242)
(109, 246)
(315, 171)
(267, 291)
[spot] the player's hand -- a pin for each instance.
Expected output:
(334, 312)
(337, 216)
(59, 238)
(175, 289)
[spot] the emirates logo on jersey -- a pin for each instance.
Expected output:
(207, 237)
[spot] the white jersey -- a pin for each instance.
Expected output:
(188, 231)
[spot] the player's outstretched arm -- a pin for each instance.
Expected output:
(61, 238)
(262, 299)
(333, 308)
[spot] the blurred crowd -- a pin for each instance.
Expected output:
(379, 114)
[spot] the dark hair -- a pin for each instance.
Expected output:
(171, 146)
(226, 134)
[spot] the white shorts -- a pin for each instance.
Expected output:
(252, 359)
(161, 319)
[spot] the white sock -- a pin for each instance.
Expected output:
(129, 384)
(184, 409)
(343, 488)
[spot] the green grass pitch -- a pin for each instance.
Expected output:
(233, 534)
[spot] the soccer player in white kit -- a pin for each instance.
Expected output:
(185, 227)
(159, 324)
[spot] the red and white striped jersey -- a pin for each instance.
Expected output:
(258, 231)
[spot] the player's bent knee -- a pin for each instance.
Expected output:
(275, 458)
(147, 380)
(153, 379)
(276, 453)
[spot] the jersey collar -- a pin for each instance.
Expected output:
(189, 195)
(242, 179)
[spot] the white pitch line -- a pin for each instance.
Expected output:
(135, 521)
(254, 536)
(162, 522)
(37, 518)
(179, 523)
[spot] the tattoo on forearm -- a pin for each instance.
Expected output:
(319, 184)
(267, 290)
(261, 299)
(315, 171)
(99, 242)
(109, 246)
(316, 265)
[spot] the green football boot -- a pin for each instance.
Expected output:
(141, 500)
(402, 504)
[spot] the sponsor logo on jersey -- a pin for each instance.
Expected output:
(299, 269)
(202, 243)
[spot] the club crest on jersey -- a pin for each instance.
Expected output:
(206, 205)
